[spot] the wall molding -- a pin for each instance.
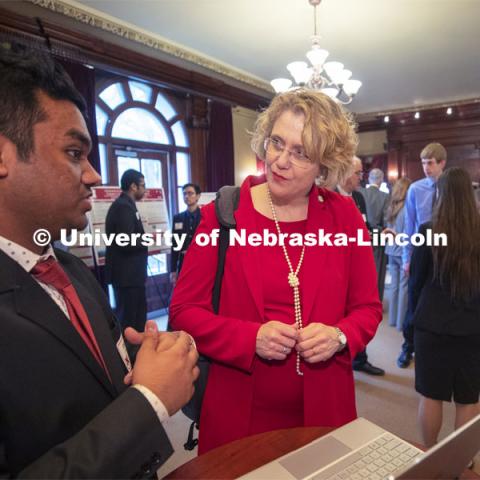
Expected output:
(133, 33)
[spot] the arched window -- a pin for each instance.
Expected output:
(139, 126)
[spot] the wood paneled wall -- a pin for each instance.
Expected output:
(459, 133)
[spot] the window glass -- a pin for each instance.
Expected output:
(102, 119)
(152, 170)
(183, 175)
(179, 134)
(140, 91)
(111, 297)
(139, 124)
(113, 95)
(124, 163)
(164, 107)
(102, 151)
(157, 264)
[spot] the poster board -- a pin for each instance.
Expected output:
(83, 253)
(152, 209)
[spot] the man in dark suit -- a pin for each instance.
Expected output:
(184, 224)
(377, 203)
(66, 410)
(349, 188)
(126, 266)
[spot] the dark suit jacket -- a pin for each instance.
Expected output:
(376, 202)
(430, 304)
(59, 414)
(181, 218)
(125, 266)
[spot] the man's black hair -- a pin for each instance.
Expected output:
(130, 176)
(194, 185)
(23, 74)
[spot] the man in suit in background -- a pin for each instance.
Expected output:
(65, 408)
(126, 266)
(349, 189)
(377, 203)
(185, 223)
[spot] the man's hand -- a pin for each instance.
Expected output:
(317, 342)
(275, 340)
(173, 278)
(389, 231)
(166, 364)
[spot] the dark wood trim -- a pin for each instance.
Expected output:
(460, 113)
(114, 57)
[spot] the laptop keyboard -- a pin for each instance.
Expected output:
(375, 461)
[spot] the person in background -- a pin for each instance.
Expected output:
(395, 221)
(291, 318)
(349, 188)
(377, 202)
(421, 197)
(184, 223)
(65, 409)
(444, 294)
(126, 266)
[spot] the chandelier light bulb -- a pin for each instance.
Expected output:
(281, 84)
(386, 118)
(317, 55)
(334, 70)
(449, 110)
(351, 87)
(299, 71)
(343, 76)
(417, 115)
(332, 92)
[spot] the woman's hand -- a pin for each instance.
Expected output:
(275, 340)
(317, 342)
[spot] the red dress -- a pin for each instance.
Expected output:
(278, 389)
(338, 287)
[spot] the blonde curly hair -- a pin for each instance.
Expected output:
(328, 136)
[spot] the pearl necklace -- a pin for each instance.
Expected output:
(293, 280)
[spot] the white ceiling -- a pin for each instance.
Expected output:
(406, 52)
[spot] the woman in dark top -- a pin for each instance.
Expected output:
(444, 294)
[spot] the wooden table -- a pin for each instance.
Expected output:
(242, 456)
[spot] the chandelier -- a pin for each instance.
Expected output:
(330, 78)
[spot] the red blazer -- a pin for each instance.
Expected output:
(339, 287)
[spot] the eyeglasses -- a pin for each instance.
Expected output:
(274, 147)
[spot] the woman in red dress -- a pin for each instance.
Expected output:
(290, 318)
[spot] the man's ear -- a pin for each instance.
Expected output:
(8, 154)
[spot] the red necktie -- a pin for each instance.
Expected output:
(51, 273)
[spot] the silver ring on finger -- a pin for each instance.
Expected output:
(285, 350)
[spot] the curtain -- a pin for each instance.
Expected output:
(84, 79)
(220, 156)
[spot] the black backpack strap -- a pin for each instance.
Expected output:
(225, 205)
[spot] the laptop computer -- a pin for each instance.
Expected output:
(362, 450)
